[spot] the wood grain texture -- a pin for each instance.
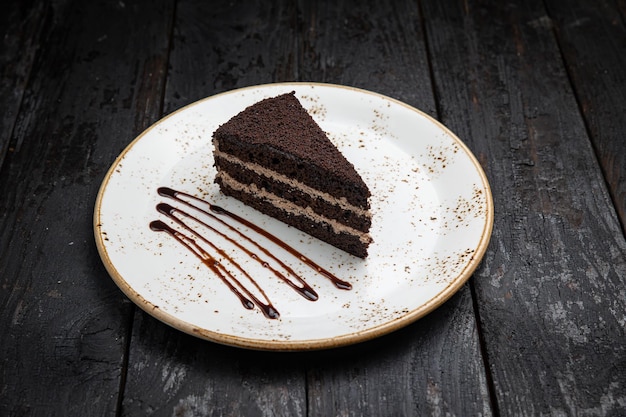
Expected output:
(65, 324)
(432, 367)
(20, 26)
(557, 257)
(344, 43)
(220, 46)
(592, 36)
(171, 373)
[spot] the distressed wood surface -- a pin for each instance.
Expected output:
(592, 37)
(21, 24)
(535, 89)
(64, 323)
(550, 295)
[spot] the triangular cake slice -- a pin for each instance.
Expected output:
(274, 157)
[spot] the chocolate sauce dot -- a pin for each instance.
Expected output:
(271, 312)
(158, 226)
(218, 209)
(310, 294)
(342, 285)
(167, 192)
(164, 208)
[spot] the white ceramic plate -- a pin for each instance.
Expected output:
(432, 220)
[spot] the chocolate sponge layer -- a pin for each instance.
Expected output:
(294, 195)
(279, 133)
(278, 136)
(344, 241)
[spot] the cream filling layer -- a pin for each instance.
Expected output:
(292, 208)
(341, 202)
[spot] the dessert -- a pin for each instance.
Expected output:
(275, 158)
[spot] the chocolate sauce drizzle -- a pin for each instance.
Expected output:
(219, 270)
(247, 298)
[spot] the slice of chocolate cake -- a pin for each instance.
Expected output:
(274, 157)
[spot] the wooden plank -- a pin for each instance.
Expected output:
(551, 290)
(217, 46)
(367, 45)
(171, 373)
(220, 47)
(20, 27)
(592, 36)
(64, 323)
(433, 367)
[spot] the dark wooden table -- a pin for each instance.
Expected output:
(536, 89)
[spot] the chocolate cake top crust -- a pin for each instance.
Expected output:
(282, 126)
